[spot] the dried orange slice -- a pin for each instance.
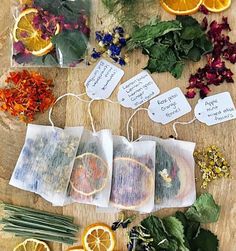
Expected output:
(76, 248)
(32, 245)
(132, 183)
(98, 237)
(181, 7)
(89, 175)
(25, 32)
(217, 5)
(28, 2)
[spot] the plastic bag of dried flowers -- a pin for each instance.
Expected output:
(50, 33)
(175, 173)
(90, 181)
(133, 179)
(46, 161)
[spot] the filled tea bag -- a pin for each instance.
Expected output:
(175, 179)
(90, 181)
(133, 180)
(46, 161)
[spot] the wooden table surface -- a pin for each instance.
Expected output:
(106, 115)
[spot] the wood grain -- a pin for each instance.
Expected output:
(107, 115)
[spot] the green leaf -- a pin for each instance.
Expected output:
(192, 32)
(187, 20)
(177, 70)
(204, 210)
(70, 46)
(70, 10)
(175, 229)
(205, 44)
(194, 54)
(205, 241)
(145, 36)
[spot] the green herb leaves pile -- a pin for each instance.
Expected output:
(169, 44)
(181, 232)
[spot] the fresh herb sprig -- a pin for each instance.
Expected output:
(181, 232)
(31, 223)
(169, 44)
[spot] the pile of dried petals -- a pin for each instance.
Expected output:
(215, 72)
(26, 94)
(212, 164)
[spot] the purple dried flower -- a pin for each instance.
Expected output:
(18, 47)
(119, 30)
(203, 9)
(107, 38)
(115, 50)
(122, 41)
(122, 62)
(95, 54)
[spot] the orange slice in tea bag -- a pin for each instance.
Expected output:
(89, 175)
(132, 183)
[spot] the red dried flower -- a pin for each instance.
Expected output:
(203, 9)
(28, 94)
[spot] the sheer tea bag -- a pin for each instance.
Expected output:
(46, 161)
(175, 179)
(90, 181)
(133, 179)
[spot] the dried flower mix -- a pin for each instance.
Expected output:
(212, 164)
(58, 25)
(214, 72)
(26, 94)
(112, 44)
(123, 221)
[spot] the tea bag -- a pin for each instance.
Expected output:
(46, 161)
(175, 179)
(133, 180)
(90, 181)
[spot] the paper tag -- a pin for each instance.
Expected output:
(103, 80)
(215, 109)
(137, 90)
(168, 106)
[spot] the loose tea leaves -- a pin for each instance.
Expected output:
(26, 94)
(212, 165)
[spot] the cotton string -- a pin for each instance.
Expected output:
(90, 111)
(181, 123)
(130, 128)
(61, 97)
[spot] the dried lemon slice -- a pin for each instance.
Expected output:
(32, 245)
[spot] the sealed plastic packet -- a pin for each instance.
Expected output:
(175, 173)
(50, 33)
(46, 161)
(133, 180)
(90, 181)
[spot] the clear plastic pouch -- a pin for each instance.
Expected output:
(46, 161)
(90, 181)
(133, 179)
(50, 33)
(175, 173)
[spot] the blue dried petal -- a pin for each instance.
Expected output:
(115, 50)
(95, 54)
(119, 30)
(107, 38)
(122, 62)
(98, 36)
(123, 41)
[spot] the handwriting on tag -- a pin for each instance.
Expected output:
(215, 109)
(137, 90)
(103, 80)
(168, 106)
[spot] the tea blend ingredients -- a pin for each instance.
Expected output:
(26, 94)
(179, 232)
(123, 221)
(215, 72)
(98, 236)
(32, 245)
(112, 44)
(31, 223)
(169, 44)
(180, 7)
(212, 165)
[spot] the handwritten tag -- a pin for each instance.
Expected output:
(168, 106)
(103, 80)
(215, 109)
(137, 90)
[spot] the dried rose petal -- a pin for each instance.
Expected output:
(203, 9)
